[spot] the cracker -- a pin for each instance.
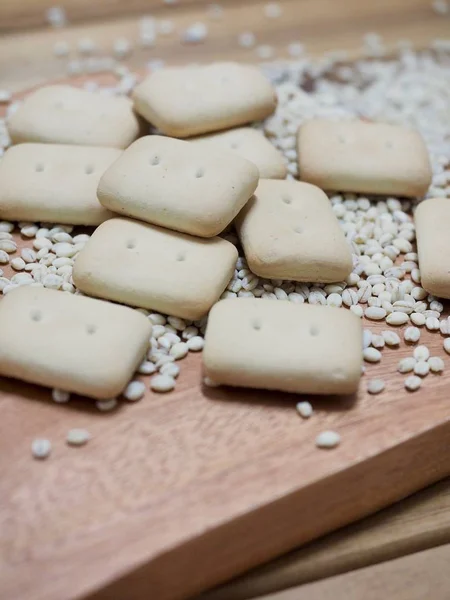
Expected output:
(363, 157)
(63, 114)
(186, 101)
(249, 343)
(178, 185)
(150, 267)
(432, 220)
(289, 231)
(70, 342)
(250, 144)
(54, 183)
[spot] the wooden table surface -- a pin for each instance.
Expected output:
(26, 59)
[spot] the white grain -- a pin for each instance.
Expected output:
(195, 344)
(106, 405)
(162, 383)
(18, 264)
(436, 364)
(304, 409)
(413, 383)
(432, 324)
(397, 318)
(171, 369)
(391, 338)
(378, 341)
(146, 368)
(134, 391)
(422, 368)
(375, 313)
(77, 437)
(8, 246)
(179, 351)
(418, 319)
(406, 365)
(412, 335)
(421, 353)
(371, 355)
(41, 448)
(60, 396)
(375, 386)
(328, 439)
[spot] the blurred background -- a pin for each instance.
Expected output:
(41, 40)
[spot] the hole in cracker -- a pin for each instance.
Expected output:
(39, 168)
(200, 173)
(389, 145)
(287, 199)
(91, 329)
(181, 257)
(155, 161)
(298, 229)
(234, 145)
(256, 324)
(314, 330)
(36, 315)
(89, 169)
(341, 139)
(59, 105)
(131, 244)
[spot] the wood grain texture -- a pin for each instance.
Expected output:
(26, 57)
(416, 523)
(178, 493)
(421, 576)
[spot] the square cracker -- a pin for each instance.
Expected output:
(363, 157)
(432, 219)
(54, 183)
(186, 101)
(178, 185)
(70, 342)
(150, 267)
(62, 114)
(289, 231)
(250, 144)
(249, 343)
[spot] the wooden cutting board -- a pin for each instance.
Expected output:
(180, 492)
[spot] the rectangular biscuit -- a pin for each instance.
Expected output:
(289, 231)
(363, 157)
(250, 343)
(186, 101)
(54, 183)
(146, 266)
(62, 114)
(432, 220)
(77, 344)
(178, 185)
(251, 144)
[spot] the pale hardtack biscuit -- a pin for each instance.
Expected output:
(63, 114)
(54, 183)
(432, 220)
(250, 144)
(358, 156)
(186, 101)
(150, 267)
(178, 185)
(77, 344)
(289, 231)
(249, 343)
